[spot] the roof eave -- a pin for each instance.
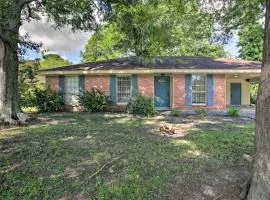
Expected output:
(157, 71)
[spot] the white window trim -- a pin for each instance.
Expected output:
(67, 95)
(119, 76)
(206, 91)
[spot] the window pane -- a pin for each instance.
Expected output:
(123, 89)
(199, 89)
(71, 90)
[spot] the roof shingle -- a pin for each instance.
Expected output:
(162, 62)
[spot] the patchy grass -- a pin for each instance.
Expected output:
(57, 158)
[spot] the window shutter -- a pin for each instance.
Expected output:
(188, 90)
(134, 85)
(62, 85)
(210, 90)
(113, 88)
(81, 83)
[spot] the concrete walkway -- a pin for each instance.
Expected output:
(245, 112)
(248, 112)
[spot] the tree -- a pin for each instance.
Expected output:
(53, 60)
(28, 82)
(260, 185)
(231, 15)
(109, 43)
(251, 48)
(152, 28)
(104, 44)
(78, 14)
(251, 42)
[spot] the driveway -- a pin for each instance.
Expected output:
(249, 112)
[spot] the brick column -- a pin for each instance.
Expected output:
(52, 82)
(146, 85)
(178, 91)
(219, 92)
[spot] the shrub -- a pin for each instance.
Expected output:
(28, 83)
(94, 100)
(253, 92)
(141, 105)
(28, 98)
(233, 112)
(175, 113)
(49, 101)
(202, 113)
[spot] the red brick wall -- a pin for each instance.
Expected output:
(178, 91)
(220, 91)
(146, 88)
(52, 82)
(100, 82)
(146, 85)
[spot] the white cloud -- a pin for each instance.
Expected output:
(63, 41)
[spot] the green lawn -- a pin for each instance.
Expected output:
(96, 156)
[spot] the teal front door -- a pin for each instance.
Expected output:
(235, 93)
(162, 91)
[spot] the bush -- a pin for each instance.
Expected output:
(94, 100)
(202, 113)
(28, 84)
(49, 101)
(233, 112)
(141, 105)
(28, 98)
(253, 92)
(175, 113)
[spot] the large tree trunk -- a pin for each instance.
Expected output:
(9, 95)
(260, 182)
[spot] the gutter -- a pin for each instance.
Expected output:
(151, 71)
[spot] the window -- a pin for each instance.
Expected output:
(71, 90)
(199, 89)
(123, 89)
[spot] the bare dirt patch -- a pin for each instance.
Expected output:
(210, 184)
(186, 124)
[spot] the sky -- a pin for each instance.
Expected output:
(63, 42)
(68, 44)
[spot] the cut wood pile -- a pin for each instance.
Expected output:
(167, 128)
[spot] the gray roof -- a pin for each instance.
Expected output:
(162, 62)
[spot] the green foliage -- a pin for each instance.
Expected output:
(141, 105)
(175, 113)
(251, 42)
(104, 44)
(82, 15)
(152, 28)
(49, 101)
(233, 111)
(94, 100)
(201, 112)
(253, 92)
(28, 83)
(196, 47)
(231, 15)
(52, 61)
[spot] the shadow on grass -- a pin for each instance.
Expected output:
(58, 160)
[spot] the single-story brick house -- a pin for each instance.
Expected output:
(172, 82)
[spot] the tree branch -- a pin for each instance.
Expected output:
(31, 13)
(106, 164)
(22, 3)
